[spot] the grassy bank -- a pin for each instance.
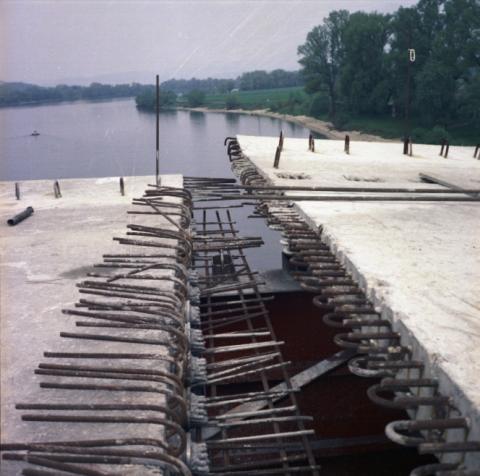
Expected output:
(278, 100)
(391, 128)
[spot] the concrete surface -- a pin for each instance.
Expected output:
(369, 163)
(42, 259)
(418, 262)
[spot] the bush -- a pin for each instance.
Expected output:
(232, 102)
(419, 134)
(436, 135)
(430, 136)
(341, 120)
(196, 98)
(319, 105)
(147, 100)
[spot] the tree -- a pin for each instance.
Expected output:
(232, 102)
(434, 97)
(468, 103)
(322, 56)
(147, 99)
(319, 105)
(461, 36)
(364, 82)
(419, 27)
(196, 98)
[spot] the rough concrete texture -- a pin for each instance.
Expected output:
(418, 262)
(368, 164)
(42, 260)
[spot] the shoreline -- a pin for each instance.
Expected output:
(316, 125)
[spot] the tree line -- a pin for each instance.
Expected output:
(425, 58)
(251, 80)
(14, 94)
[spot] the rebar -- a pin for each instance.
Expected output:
(346, 306)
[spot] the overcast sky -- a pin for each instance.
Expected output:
(78, 41)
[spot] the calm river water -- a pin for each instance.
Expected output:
(95, 139)
(113, 138)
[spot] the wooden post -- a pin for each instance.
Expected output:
(476, 151)
(442, 147)
(410, 146)
(280, 141)
(447, 147)
(347, 144)
(56, 189)
(17, 190)
(311, 143)
(122, 186)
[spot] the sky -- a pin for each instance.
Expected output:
(49, 42)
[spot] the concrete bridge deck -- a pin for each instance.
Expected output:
(419, 262)
(42, 259)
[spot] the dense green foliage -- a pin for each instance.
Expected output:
(360, 62)
(232, 101)
(147, 99)
(209, 85)
(196, 98)
(251, 80)
(13, 94)
(278, 78)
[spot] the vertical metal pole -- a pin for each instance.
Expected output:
(407, 94)
(157, 155)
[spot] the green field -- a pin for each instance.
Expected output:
(258, 99)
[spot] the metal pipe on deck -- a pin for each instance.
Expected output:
(20, 216)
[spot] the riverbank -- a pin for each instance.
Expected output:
(324, 128)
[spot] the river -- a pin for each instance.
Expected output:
(113, 138)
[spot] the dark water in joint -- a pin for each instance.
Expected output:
(113, 138)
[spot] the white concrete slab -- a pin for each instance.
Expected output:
(418, 262)
(42, 259)
(379, 164)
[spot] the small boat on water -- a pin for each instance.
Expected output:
(35, 133)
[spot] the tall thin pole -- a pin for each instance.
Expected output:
(407, 94)
(157, 155)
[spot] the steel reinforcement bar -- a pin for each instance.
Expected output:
(437, 427)
(251, 426)
(114, 400)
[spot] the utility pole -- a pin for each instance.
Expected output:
(411, 59)
(157, 156)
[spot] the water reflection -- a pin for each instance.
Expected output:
(198, 118)
(232, 118)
